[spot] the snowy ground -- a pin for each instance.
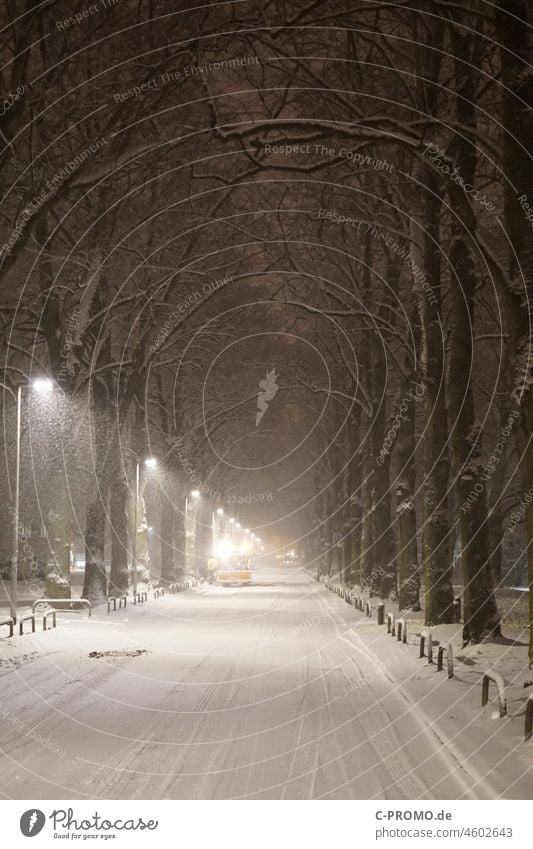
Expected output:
(278, 690)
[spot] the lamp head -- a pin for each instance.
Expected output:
(43, 385)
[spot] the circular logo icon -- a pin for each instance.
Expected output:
(32, 822)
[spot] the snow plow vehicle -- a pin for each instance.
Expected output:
(234, 572)
(227, 567)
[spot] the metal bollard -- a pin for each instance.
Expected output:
(9, 623)
(425, 636)
(448, 648)
(29, 618)
(48, 613)
(457, 609)
(497, 679)
(381, 613)
(402, 630)
(528, 730)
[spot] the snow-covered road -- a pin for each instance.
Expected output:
(277, 690)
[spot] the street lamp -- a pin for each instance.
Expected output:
(150, 463)
(42, 385)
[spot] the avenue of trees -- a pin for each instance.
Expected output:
(193, 195)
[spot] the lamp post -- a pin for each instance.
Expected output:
(150, 463)
(216, 522)
(195, 496)
(42, 386)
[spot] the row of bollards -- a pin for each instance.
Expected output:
(112, 601)
(141, 596)
(398, 628)
(50, 613)
(9, 622)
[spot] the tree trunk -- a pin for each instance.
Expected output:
(368, 573)
(179, 539)
(513, 21)
(58, 528)
(168, 562)
(95, 580)
(408, 565)
(481, 617)
(118, 577)
(438, 590)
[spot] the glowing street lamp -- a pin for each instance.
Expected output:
(223, 549)
(42, 385)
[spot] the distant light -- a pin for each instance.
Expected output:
(223, 549)
(195, 493)
(247, 530)
(220, 511)
(238, 526)
(42, 385)
(232, 521)
(151, 462)
(150, 528)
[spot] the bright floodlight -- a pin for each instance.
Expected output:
(223, 549)
(43, 385)
(195, 493)
(151, 462)
(220, 511)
